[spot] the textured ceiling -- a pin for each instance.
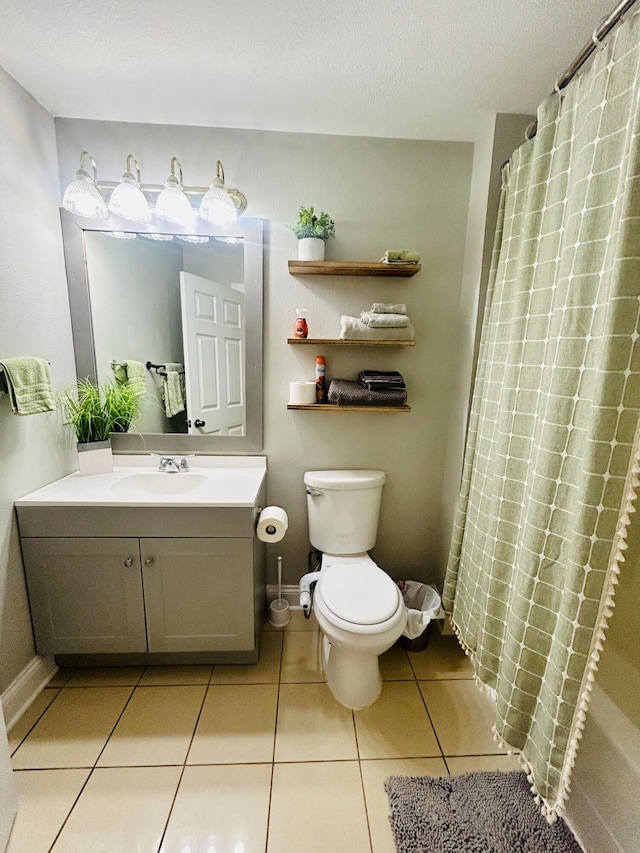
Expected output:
(398, 68)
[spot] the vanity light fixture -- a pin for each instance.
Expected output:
(127, 200)
(133, 202)
(172, 204)
(82, 196)
(217, 206)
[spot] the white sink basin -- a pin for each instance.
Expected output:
(156, 483)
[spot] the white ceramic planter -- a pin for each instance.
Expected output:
(311, 249)
(95, 458)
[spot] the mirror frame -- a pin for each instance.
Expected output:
(251, 230)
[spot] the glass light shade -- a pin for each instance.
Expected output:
(173, 205)
(128, 201)
(217, 206)
(83, 198)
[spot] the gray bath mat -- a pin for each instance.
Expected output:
(474, 813)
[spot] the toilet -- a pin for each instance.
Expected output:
(358, 606)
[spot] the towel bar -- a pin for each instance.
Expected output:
(158, 369)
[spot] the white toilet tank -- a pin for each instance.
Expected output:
(343, 509)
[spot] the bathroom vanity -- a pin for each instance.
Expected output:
(138, 566)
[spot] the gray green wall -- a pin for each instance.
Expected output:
(34, 320)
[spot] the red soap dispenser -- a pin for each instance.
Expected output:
(300, 328)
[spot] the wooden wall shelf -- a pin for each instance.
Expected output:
(359, 268)
(339, 342)
(331, 407)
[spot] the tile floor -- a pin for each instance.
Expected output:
(239, 759)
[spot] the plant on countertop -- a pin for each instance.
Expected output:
(96, 411)
(310, 225)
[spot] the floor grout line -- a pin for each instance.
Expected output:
(184, 763)
(36, 723)
(73, 805)
(273, 752)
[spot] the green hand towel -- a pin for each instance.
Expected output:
(29, 385)
(173, 389)
(400, 256)
(132, 373)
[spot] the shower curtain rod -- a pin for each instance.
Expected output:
(600, 33)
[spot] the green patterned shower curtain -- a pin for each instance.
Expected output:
(551, 465)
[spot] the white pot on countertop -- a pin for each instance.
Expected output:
(95, 457)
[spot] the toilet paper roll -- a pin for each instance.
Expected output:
(302, 393)
(272, 524)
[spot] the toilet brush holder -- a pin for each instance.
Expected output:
(279, 613)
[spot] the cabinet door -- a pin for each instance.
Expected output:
(85, 595)
(198, 594)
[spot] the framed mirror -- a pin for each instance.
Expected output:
(186, 304)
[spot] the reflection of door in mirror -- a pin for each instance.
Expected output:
(213, 334)
(136, 315)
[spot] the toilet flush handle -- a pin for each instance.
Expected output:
(316, 493)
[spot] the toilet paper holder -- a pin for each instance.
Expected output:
(274, 527)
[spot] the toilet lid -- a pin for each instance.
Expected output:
(360, 593)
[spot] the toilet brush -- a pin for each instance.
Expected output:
(279, 614)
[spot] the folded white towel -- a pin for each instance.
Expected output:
(389, 308)
(353, 329)
(384, 321)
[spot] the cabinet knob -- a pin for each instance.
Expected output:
(198, 423)
(128, 562)
(148, 561)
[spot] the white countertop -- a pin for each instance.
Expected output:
(212, 481)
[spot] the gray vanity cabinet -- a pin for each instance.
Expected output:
(136, 585)
(85, 595)
(198, 594)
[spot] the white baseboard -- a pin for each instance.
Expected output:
(25, 687)
(290, 591)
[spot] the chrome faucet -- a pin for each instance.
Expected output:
(171, 465)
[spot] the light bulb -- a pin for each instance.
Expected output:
(161, 238)
(192, 238)
(217, 207)
(127, 200)
(82, 196)
(172, 204)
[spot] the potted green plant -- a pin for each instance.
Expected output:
(312, 232)
(94, 412)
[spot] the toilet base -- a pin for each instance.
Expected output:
(353, 677)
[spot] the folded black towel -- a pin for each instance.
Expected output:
(342, 392)
(381, 380)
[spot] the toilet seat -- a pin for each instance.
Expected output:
(359, 592)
